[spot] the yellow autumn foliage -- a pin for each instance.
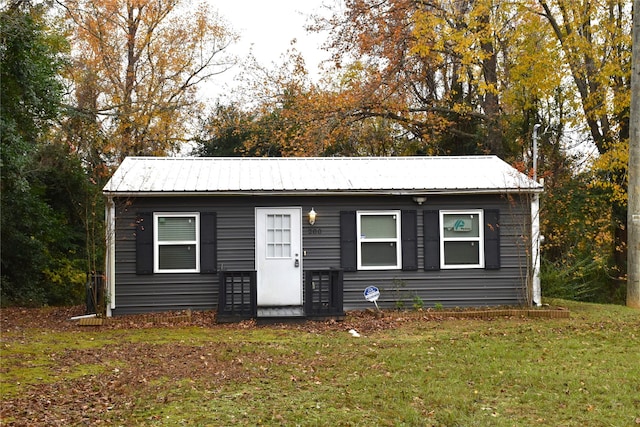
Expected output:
(145, 60)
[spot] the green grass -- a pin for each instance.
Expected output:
(503, 372)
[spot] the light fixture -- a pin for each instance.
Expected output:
(419, 199)
(312, 216)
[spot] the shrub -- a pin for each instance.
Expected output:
(581, 280)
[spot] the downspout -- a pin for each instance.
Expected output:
(536, 293)
(110, 258)
(536, 290)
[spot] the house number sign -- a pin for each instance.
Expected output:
(314, 230)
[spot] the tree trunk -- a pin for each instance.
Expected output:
(633, 217)
(130, 145)
(491, 104)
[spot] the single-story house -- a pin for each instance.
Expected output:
(255, 237)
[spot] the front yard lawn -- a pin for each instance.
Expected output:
(404, 369)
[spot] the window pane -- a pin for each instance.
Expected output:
(177, 257)
(378, 226)
(176, 228)
(378, 254)
(461, 225)
(458, 253)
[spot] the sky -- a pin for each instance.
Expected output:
(266, 29)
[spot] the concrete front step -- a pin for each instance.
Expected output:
(281, 312)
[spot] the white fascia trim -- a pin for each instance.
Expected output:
(536, 289)
(110, 259)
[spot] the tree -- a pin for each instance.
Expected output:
(633, 284)
(281, 112)
(224, 132)
(576, 222)
(137, 66)
(595, 38)
(274, 114)
(446, 72)
(419, 78)
(36, 237)
(595, 43)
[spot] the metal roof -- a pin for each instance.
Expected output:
(316, 175)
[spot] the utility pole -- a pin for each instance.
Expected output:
(633, 206)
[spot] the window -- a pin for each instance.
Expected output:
(278, 236)
(176, 242)
(461, 239)
(378, 240)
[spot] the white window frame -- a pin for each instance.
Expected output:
(397, 240)
(479, 239)
(157, 243)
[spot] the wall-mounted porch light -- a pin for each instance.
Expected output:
(419, 199)
(312, 216)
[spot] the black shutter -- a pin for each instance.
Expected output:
(492, 239)
(431, 240)
(348, 231)
(409, 235)
(144, 243)
(208, 243)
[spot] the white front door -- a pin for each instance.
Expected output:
(278, 260)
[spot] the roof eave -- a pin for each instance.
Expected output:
(395, 192)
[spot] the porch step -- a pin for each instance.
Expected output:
(281, 312)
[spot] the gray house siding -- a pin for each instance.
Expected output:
(136, 293)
